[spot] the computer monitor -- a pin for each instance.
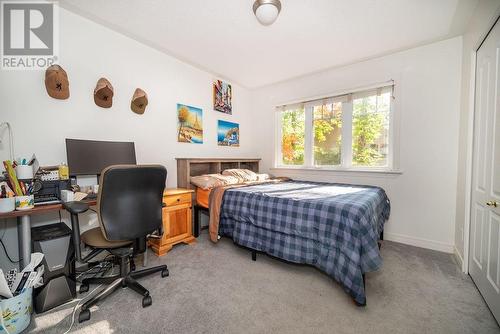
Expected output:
(90, 157)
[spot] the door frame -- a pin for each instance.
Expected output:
(470, 143)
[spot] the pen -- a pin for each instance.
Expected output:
(23, 188)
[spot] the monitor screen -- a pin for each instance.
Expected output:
(90, 157)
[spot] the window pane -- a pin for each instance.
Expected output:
(292, 138)
(370, 130)
(327, 127)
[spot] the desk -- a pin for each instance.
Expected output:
(24, 226)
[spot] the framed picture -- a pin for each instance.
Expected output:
(223, 94)
(189, 124)
(228, 134)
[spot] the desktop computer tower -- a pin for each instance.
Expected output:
(59, 277)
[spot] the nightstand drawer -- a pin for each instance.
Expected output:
(177, 199)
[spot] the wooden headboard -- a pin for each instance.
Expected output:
(187, 167)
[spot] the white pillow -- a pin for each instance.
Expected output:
(243, 175)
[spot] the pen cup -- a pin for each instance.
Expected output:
(24, 172)
(16, 312)
(7, 204)
(25, 202)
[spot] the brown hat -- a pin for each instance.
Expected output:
(139, 101)
(56, 82)
(103, 93)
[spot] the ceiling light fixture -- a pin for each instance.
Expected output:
(266, 11)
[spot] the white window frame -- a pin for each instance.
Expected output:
(346, 150)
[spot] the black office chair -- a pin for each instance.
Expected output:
(129, 208)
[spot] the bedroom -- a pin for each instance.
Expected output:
(377, 99)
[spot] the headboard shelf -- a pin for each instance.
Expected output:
(188, 167)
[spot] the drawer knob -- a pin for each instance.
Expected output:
(178, 200)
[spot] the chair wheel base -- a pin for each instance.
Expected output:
(147, 301)
(84, 288)
(165, 273)
(84, 316)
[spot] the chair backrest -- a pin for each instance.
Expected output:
(130, 200)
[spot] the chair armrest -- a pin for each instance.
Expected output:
(76, 207)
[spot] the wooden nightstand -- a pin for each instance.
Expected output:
(177, 223)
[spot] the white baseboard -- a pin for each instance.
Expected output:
(420, 242)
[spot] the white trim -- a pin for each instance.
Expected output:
(277, 146)
(459, 258)
(308, 134)
(420, 242)
(346, 150)
(395, 130)
(468, 167)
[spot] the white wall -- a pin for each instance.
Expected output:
(427, 92)
(427, 98)
(87, 52)
(482, 20)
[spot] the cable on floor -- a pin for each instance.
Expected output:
(76, 307)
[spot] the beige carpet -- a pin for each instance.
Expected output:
(218, 289)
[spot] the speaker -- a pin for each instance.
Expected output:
(59, 277)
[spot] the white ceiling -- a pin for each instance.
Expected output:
(224, 37)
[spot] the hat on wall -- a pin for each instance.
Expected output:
(56, 82)
(103, 93)
(139, 101)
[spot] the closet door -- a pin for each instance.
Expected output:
(484, 259)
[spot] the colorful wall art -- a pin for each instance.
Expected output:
(228, 134)
(189, 124)
(223, 94)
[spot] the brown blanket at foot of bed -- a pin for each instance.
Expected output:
(215, 203)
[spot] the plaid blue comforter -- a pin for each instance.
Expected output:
(334, 227)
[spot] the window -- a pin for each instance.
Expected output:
(327, 129)
(293, 134)
(343, 132)
(370, 130)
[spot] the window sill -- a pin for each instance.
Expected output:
(359, 171)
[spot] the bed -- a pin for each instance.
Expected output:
(333, 227)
